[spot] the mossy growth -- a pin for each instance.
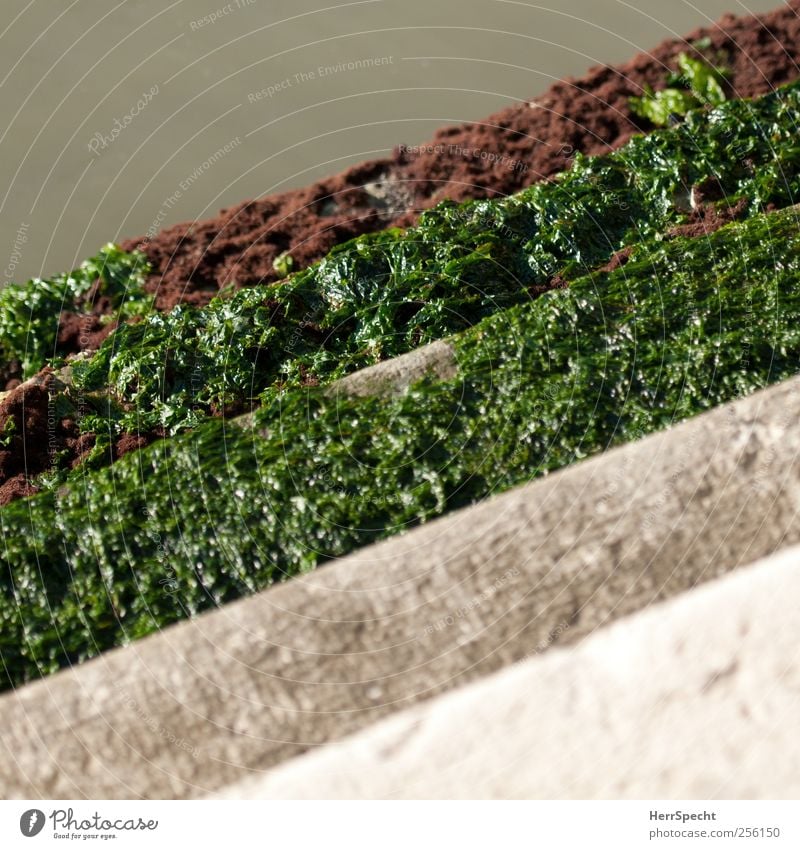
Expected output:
(383, 294)
(694, 85)
(30, 313)
(207, 516)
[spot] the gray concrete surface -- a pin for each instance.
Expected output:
(238, 690)
(389, 378)
(697, 698)
(393, 377)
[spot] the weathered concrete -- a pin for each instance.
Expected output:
(393, 377)
(389, 378)
(196, 707)
(696, 698)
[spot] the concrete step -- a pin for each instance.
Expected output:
(696, 698)
(243, 688)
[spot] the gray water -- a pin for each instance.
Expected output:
(124, 116)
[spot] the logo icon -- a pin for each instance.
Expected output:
(31, 822)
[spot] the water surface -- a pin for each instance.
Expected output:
(121, 116)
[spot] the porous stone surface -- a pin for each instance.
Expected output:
(390, 378)
(393, 377)
(241, 689)
(696, 698)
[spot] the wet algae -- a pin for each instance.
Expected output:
(224, 510)
(383, 294)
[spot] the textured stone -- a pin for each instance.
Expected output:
(696, 698)
(259, 681)
(393, 377)
(389, 378)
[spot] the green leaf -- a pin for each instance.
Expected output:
(696, 84)
(704, 81)
(659, 107)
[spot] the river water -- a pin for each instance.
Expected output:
(119, 115)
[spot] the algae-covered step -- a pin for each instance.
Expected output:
(225, 510)
(32, 314)
(381, 295)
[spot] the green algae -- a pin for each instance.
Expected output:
(696, 84)
(383, 294)
(211, 515)
(29, 313)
